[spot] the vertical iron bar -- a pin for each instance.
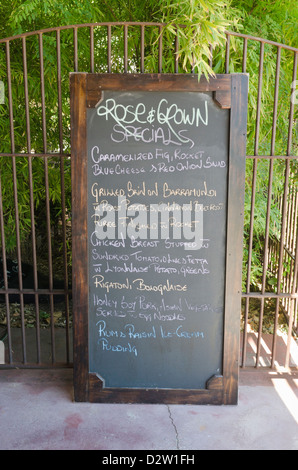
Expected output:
(292, 224)
(275, 106)
(34, 258)
(244, 338)
(15, 195)
(1, 213)
(125, 48)
(75, 49)
(109, 48)
(160, 50)
(265, 258)
(294, 286)
(284, 206)
(291, 115)
(192, 64)
(65, 257)
(91, 49)
(292, 309)
(289, 223)
(256, 152)
(4, 269)
(259, 101)
(26, 94)
(12, 143)
(43, 107)
(142, 47)
(176, 52)
(62, 183)
(58, 47)
(48, 222)
(295, 222)
(227, 54)
(244, 58)
(42, 84)
(281, 255)
(250, 244)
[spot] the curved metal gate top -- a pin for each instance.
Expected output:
(35, 210)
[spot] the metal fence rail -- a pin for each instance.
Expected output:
(35, 294)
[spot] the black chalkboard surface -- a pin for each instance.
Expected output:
(157, 179)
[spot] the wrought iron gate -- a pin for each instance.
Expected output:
(35, 210)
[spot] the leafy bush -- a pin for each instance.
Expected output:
(204, 23)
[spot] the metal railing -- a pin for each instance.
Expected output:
(35, 179)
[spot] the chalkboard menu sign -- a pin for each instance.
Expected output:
(158, 165)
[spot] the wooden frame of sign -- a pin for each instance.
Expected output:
(119, 370)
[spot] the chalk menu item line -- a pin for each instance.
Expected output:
(156, 313)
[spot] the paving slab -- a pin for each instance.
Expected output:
(37, 412)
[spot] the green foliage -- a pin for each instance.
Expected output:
(275, 21)
(197, 24)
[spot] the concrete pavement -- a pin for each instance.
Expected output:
(37, 412)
